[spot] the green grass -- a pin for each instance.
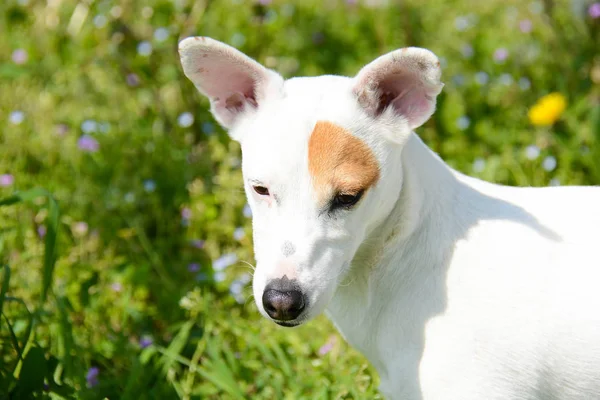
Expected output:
(116, 263)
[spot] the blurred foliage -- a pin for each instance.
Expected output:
(134, 289)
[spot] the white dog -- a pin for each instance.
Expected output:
(453, 288)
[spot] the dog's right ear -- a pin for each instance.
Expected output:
(234, 83)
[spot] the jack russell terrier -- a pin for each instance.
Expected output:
(453, 288)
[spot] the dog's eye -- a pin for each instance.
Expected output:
(346, 200)
(263, 191)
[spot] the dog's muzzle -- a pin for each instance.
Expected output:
(283, 301)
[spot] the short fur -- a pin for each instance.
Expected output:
(454, 288)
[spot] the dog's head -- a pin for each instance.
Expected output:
(320, 160)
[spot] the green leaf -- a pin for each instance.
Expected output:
(33, 371)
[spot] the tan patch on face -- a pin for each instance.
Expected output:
(339, 162)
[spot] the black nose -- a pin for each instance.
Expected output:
(283, 300)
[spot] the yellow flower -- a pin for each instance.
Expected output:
(547, 110)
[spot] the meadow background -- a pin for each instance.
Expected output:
(123, 228)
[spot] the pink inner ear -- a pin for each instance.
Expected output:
(407, 94)
(224, 84)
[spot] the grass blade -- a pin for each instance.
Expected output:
(4, 287)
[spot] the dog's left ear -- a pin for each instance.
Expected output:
(235, 84)
(405, 81)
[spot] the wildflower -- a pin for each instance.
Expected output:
(132, 79)
(61, 129)
(149, 185)
(80, 228)
(16, 117)
(89, 126)
(219, 276)
(247, 211)
(224, 261)
(88, 144)
(197, 243)
(161, 34)
(145, 341)
(328, 346)
(144, 48)
(500, 55)
(116, 287)
(19, 56)
(549, 163)
(7, 180)
(524, 83)
(186, 213)
(554, 182)
(194, 267)
(547, 110)
(505, 79)
(532, 152)
(482, 78)
(478, 165)
(461, 23)
(525, 25)
(467, 50)
(463, 122)
(239, 234)
(92, 377)
(185, 120)
(41, 231)
(265, 2)
(594, 10)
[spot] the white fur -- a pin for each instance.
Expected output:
(452, 287)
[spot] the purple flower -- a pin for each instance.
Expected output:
(194, 267)
(16, 117)
(6, 180)
(247, 211)
(186, 213)
(197, 243)
(116, 287)
(224, 261)
(239, 234)
(61, 129)
(145, 341)
(88, 144)
(92, 377)
(525, 25)
(41, 231)
(132, 79)
(19, 56)
(80, 228)
(500, 55)
(594, 10)
(265, 2)
(328, 346)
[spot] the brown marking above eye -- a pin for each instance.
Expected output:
(339, 162)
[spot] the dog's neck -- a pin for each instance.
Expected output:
(397, 258)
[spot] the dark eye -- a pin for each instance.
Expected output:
(346, 200)
(263, 191)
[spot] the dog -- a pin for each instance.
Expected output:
(452, 287)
